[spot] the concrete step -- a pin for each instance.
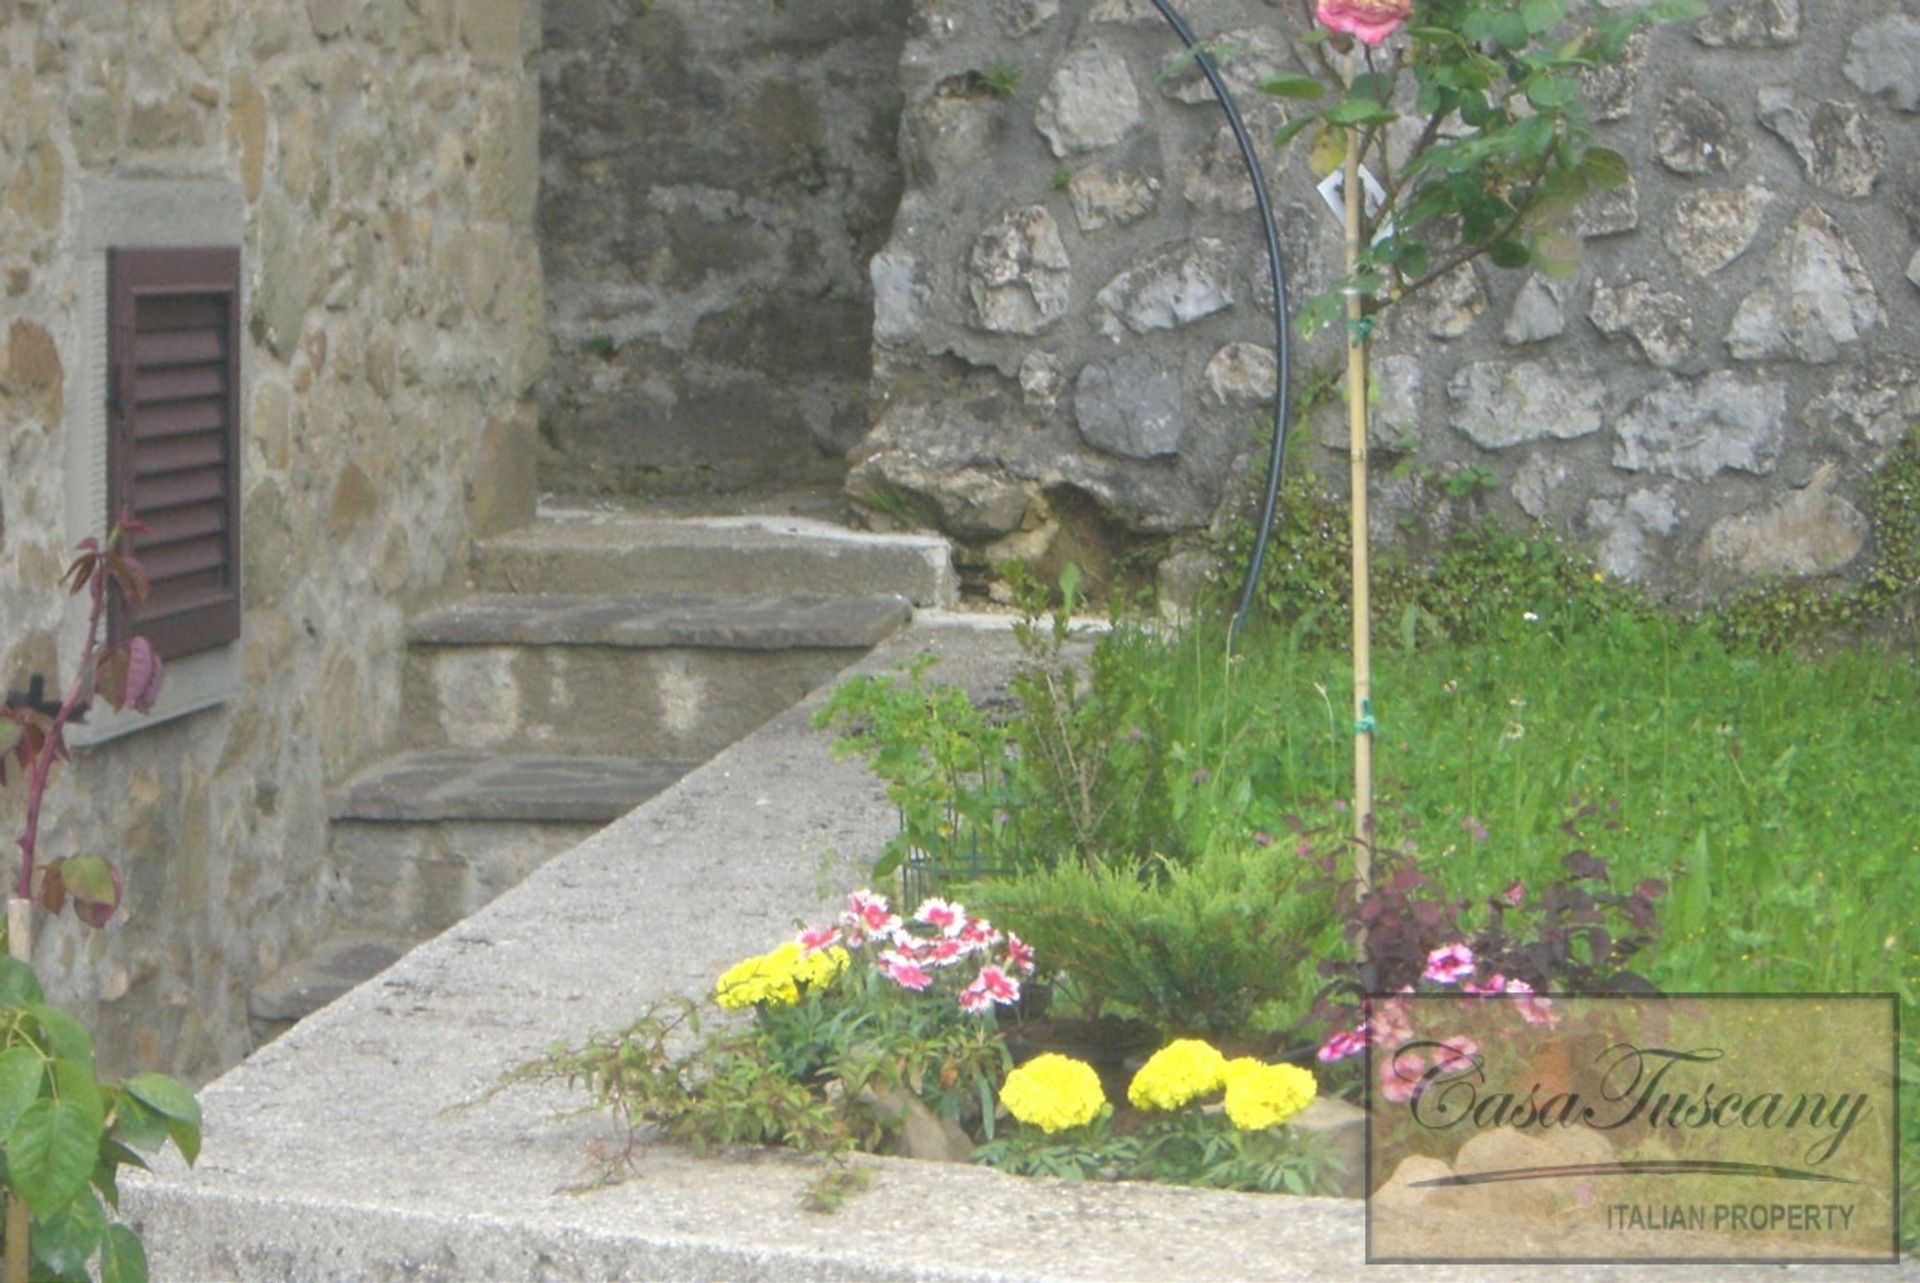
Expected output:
(576, 550)
(421, 840)
(644, 677)
(306, 984)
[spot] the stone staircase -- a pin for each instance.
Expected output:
(598, 657)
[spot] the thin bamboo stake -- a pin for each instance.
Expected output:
(19, 1216)
(1362, 603)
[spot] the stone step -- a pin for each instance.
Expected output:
(573, 550)
(422, 840)
(304, 985)
(644, 677)
(455, 784)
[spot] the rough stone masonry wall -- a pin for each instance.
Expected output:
(716, 175)
(385, 151)
(1072, 317)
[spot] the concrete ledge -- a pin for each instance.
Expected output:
(340, 1152)
(732, 623)
(463, 784)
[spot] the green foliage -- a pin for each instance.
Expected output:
(66, 1133)
(1186, 1147)
(831, 1075)
(1808, 615)
(1508, 175)
(1219, 946)
(1479, 584)
(1002, 79)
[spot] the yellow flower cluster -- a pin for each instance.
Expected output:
(1180, 1072)
(1054, 1092)
(1261, 1096)
(776, 977)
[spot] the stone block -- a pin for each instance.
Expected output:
(1130, 406)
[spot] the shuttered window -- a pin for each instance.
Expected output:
(173, 438)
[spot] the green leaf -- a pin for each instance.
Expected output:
(19, 986)
(1604, 167)
(1293, 87)
(1284, 135)
(122, 1258)
(166, 1095)
(1504, 27)
(186, 1139)
(1542, 15)
(1550, 92)
(67, 1038)
(21, 1071)
(50, 1153)
(1509, 254)
(1361, 111)
(1677, 10)
(139, 1125)
(63, 1243)
(1374, 85)
(1557, 254)
(88, 877)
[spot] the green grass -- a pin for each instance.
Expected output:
(1780, 797)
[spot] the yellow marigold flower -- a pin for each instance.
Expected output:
(1268, 1095)
(767, 977)
(820, 967)
(1238, 1066)
(1054, 1092)
(1184, 1070)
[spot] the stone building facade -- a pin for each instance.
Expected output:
(718, 174)
(376, 162)
(1072, 313)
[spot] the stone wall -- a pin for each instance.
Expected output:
(1071, 312)
(716, 175)
(381, 155)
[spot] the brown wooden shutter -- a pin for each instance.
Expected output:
(173, 438)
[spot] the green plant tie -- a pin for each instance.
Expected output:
(1364, 724)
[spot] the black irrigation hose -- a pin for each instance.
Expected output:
(1278, 269)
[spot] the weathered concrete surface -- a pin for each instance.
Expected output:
(342, 1152)
(751, 623)
(457, 784)
(577, 550)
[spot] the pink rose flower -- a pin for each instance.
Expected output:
(1369, 21)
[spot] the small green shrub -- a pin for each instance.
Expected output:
(1223, 945)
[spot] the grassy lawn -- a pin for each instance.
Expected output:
(1779, 796)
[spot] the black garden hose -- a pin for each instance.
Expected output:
(1277, 267)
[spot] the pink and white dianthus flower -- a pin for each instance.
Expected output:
(1457, 1055)
(941, 953)
(904, 972)
(1387, 1024)
(948, 918)
(1343, 1043)
(1533, 1010)
(1401, 1077)
(976, 934)
(1019, 953)
(1448, 963)
(992, 985)
(1496, 983)
(813, 940)
(866, 915)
